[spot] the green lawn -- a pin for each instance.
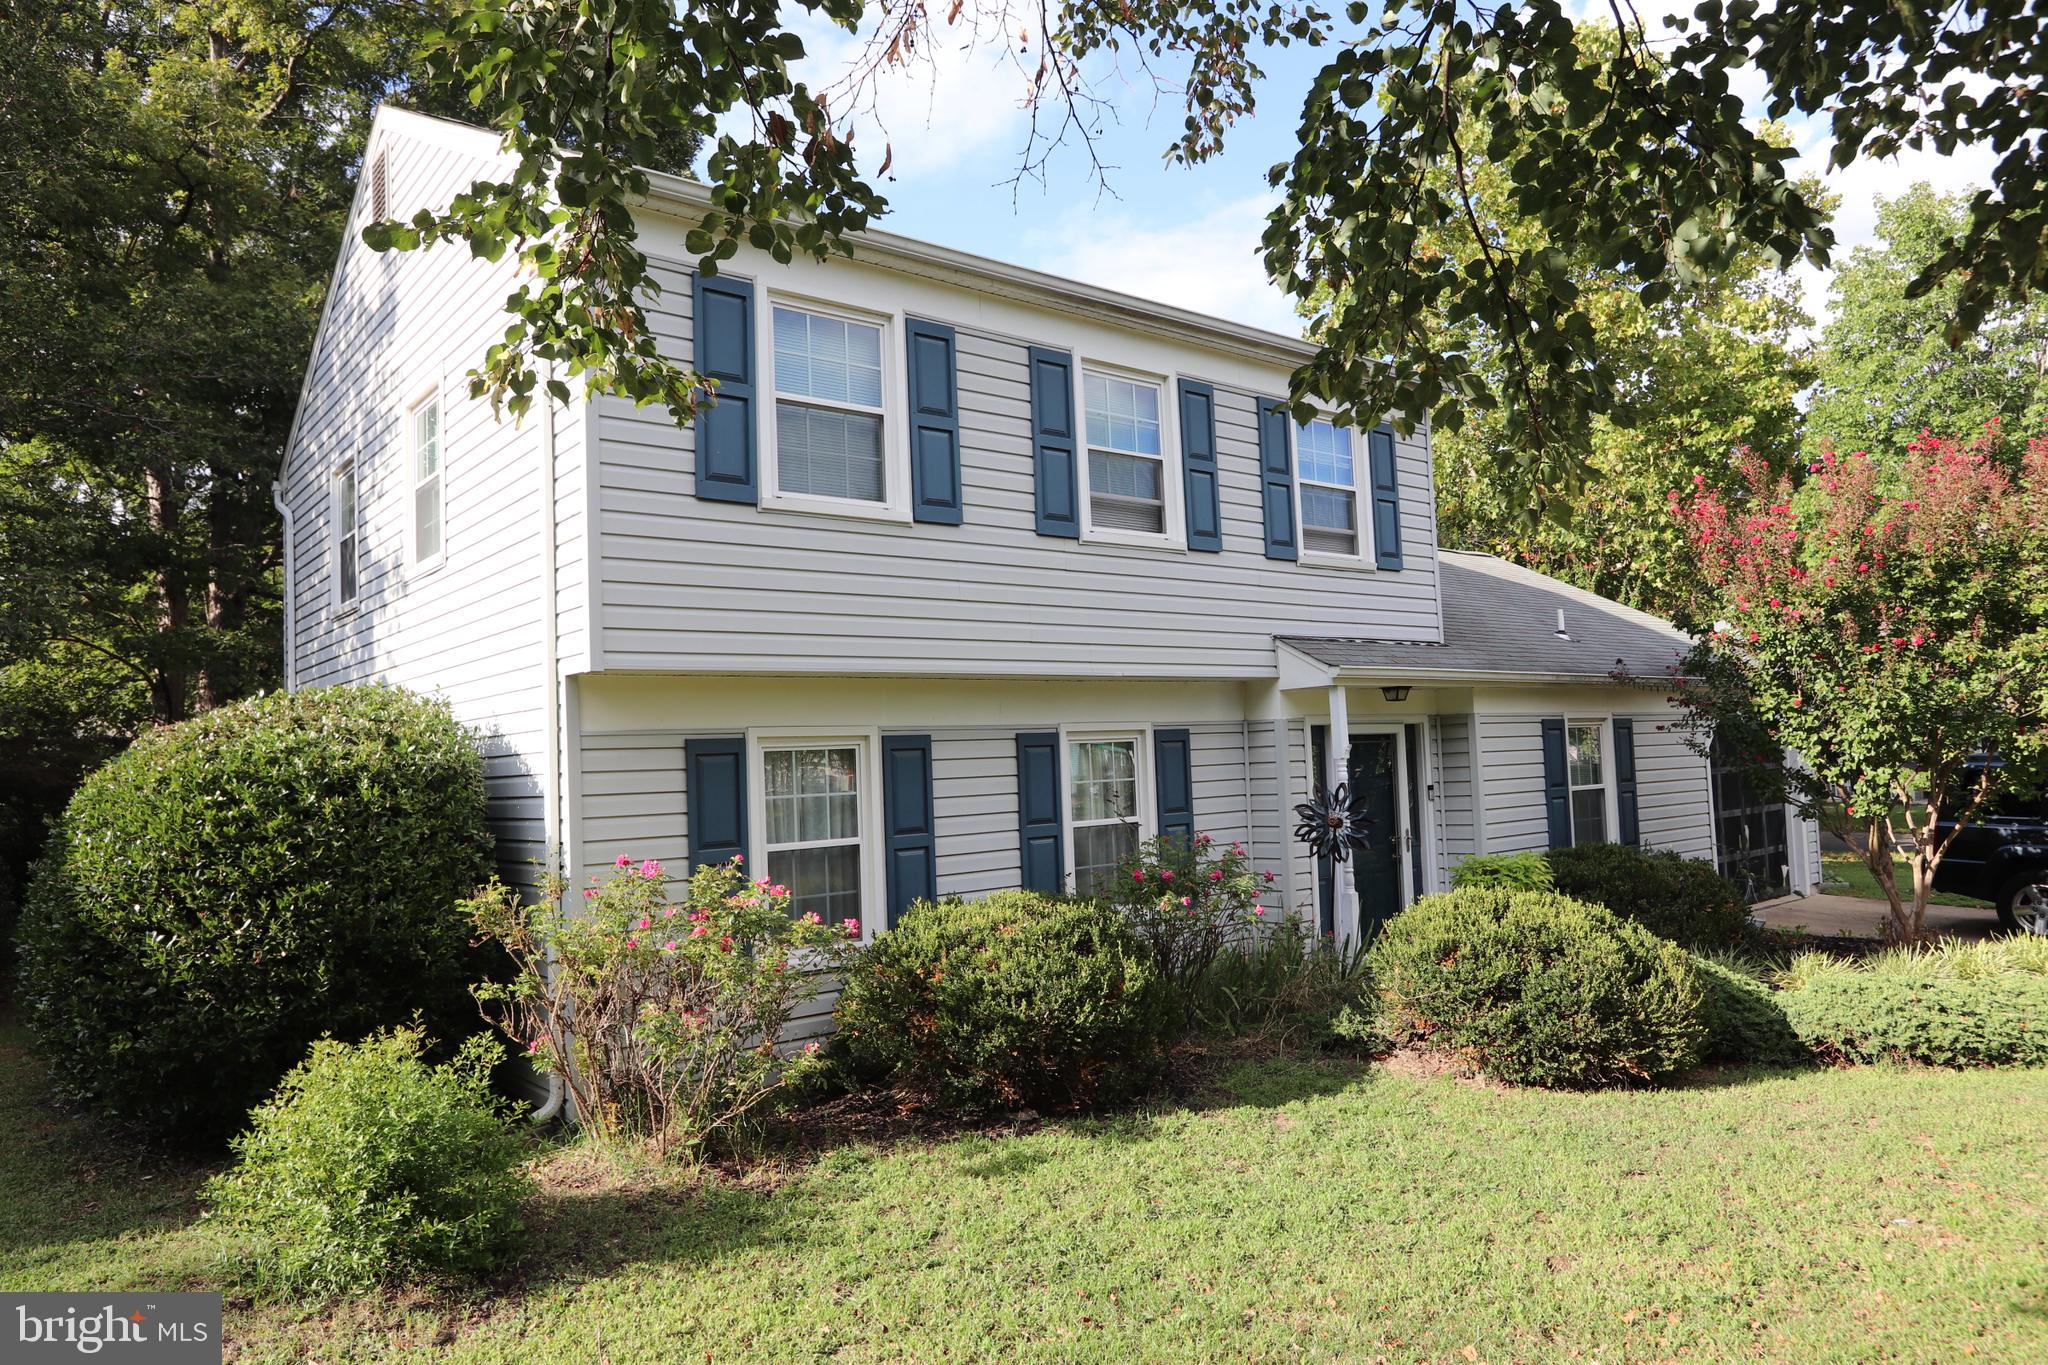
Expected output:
(1858, 880)
(1317, 1212)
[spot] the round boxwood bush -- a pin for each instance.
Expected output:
(1009, 1001)
(1538, 989)
(231, 888)
(367, 1165)
(1680, 898)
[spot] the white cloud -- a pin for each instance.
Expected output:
(1208, 263)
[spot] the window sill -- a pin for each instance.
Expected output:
(1311, 560)
(425, 568)
(1142, 540)
(809, 505)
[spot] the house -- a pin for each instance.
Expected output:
(972, 578)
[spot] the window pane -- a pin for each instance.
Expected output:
(821, 357)
(345, 566)
(824, 881)
(1582, 743)
(345, 499)
(1104, 785)
(426, 510)
(1098, 851)
(1589, 816)
(1122, 415)
(830, 454)
(427, 438)
(1328, 508)
(811, 795)
(1124, 475)
(1323, 450)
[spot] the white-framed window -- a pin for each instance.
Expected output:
(425, 460)
(1326, 484)
(1129, 489)
(1105, 805)
(346, 534)
(1585, 758)
(815, 810)
(831, 444)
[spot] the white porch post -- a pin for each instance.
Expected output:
(1336, 763)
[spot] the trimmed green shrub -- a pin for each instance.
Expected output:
(1681, 898)
(368, 1165)
(1012, 1000)
(1287, 984)
(1515, 871)
(1744, 1018)
(1870, 1016)
(1538, 989)
(232, 888)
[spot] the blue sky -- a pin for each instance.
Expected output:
(956, 124)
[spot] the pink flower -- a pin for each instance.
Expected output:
(1138, 874)
(1268, 875)
(811, 917)
(1217, 875)
(669, 946)
(1258, 909)
(852, 927)
(622, 861)
(811, 1048)
(778, 890)
(592, 891)
(533, 1046)
(632, 943)
(739, 857)
(1165, 874)
(1187, 900)
(650, 868)
(646, 923)
(669, 913)
(699, 931)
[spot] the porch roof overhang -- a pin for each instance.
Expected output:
(1503, 625)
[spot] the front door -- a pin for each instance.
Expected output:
(1375, 776)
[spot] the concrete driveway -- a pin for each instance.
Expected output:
(1830, 915)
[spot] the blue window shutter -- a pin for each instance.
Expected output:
(1198, 459)
(1041, 842)
(715, 778)
(1386, 498)
(1630, 827)
(723, 321)
(934, 423)
(1055, 465)
(1173, 772)
(1276, 471)
(1557, 792)
(909, 837)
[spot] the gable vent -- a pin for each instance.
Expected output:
(380, 194)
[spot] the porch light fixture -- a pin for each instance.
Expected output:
(1396, 693)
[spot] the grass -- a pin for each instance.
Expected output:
(1317, 1211)
(1858, 880)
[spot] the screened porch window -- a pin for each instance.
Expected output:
(828, 407)
(1329, 488)
(1102, 806)
(814, 834)
(1126, 469)
(1586, 768)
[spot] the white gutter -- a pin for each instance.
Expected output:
(291, 653)
(550, 685)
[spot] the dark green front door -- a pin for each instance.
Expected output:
(1375, 792)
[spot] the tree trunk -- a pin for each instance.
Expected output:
(167, 677)
(224, 599)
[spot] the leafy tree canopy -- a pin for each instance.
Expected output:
(1648, 164)
(1887, 373)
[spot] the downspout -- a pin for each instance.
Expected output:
(550, 684)
(291, 615)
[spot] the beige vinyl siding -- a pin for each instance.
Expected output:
(1673, 797)
(691, 584)
(1457, 831)
(1674, 792)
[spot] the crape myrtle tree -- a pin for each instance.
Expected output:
(1887, 623)
(1651, 164)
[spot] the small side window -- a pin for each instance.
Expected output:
(426, 482)
(345, 533)
(1328, 479)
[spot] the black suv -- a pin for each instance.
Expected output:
(2003, 858)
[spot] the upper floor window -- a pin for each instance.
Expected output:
(426, 482)
(346, 532)
(1328, 477)
(1102, 808)
(1586, 770)
(812, 801)
(829, 407)
(1126, 464)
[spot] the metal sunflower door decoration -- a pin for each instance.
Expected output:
(1332, 826)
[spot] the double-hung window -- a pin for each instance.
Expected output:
(1586, 771)
(812, 801)
(1127, 482)
(1328, 478)
(346, 533)
(829, 410)
(426, 481)
(1102, 807)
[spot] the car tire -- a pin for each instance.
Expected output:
(2023, 903)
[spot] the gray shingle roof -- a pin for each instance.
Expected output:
(1502, 618)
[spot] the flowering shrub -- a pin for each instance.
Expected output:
(1187, 901)
(664, 1018)
(1883, 621)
